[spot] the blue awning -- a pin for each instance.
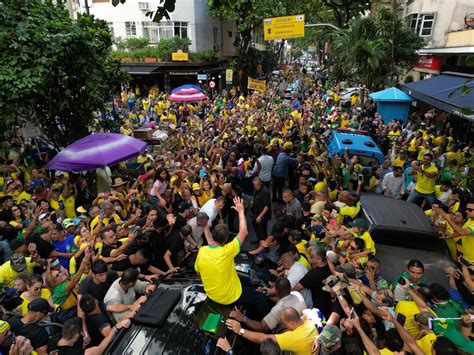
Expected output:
(443, 92)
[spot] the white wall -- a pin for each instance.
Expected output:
(449, 17)
(194, 12)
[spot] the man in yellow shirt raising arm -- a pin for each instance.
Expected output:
(215, 264)
(425, 181)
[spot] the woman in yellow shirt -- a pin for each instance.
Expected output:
(34, 290)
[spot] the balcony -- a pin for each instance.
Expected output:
(463, 38)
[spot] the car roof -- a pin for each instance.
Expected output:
(389, 213)
(181, 332)
(358, 145)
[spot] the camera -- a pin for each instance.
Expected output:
(332, 282)
(10, 299)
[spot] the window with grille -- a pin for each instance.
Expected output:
(164, 30)
(422, 24)
(130, 29)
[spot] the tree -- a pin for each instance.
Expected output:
(374, 50)
(54, 71)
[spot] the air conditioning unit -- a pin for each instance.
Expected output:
(145, 6)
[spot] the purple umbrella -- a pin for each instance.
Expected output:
(96, 151)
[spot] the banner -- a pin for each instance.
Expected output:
(258, 85)
(229, 74)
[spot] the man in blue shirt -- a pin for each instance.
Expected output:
(280, 171)
(63, 245)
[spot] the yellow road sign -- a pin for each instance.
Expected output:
(283, 27)
(258, 85)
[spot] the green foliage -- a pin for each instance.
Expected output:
(119, 54)
(131, 44)
(167, 46)
(203, 56)
(373, 50)
(55, 71)
(151, 52)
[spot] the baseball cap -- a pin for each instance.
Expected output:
(423, 317)
(4, 326)
(16, 243)
(196, 186)
(359, 223)
(330, 336)
(18, 263)
(81, 209)
(40, 305)
(68, 222)
(43, 216)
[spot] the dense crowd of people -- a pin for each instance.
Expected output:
(241, 174)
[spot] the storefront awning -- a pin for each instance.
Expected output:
(140, 70)
(444, 92)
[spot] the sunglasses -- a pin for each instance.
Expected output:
(469, 209)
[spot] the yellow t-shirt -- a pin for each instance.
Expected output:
(426, 343)
(204, 197)
(421, 152)
(216, 266)
(23, 196)
(298, 341)
(468, 241)
(70, 206)
(45, 294)
(112, 219)
(424, 184)
(320, 185)
(301, 247)
(305, 262)
(351, 211)
(7, 274)
(369, 242)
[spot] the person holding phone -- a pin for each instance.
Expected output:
(466, 231)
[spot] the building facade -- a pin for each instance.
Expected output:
(189, 19)
(447, 26)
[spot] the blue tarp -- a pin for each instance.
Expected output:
(436, 92)
(390, 94)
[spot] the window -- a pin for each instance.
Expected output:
(164, 30)
(130, 29)
(229, 33)
(422, 24)
(150, 31)
(181, 29)
(111, 29)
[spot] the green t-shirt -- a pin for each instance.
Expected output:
(59, 293)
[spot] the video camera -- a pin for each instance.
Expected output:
(10, 298)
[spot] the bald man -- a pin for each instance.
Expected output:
(298, 339)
